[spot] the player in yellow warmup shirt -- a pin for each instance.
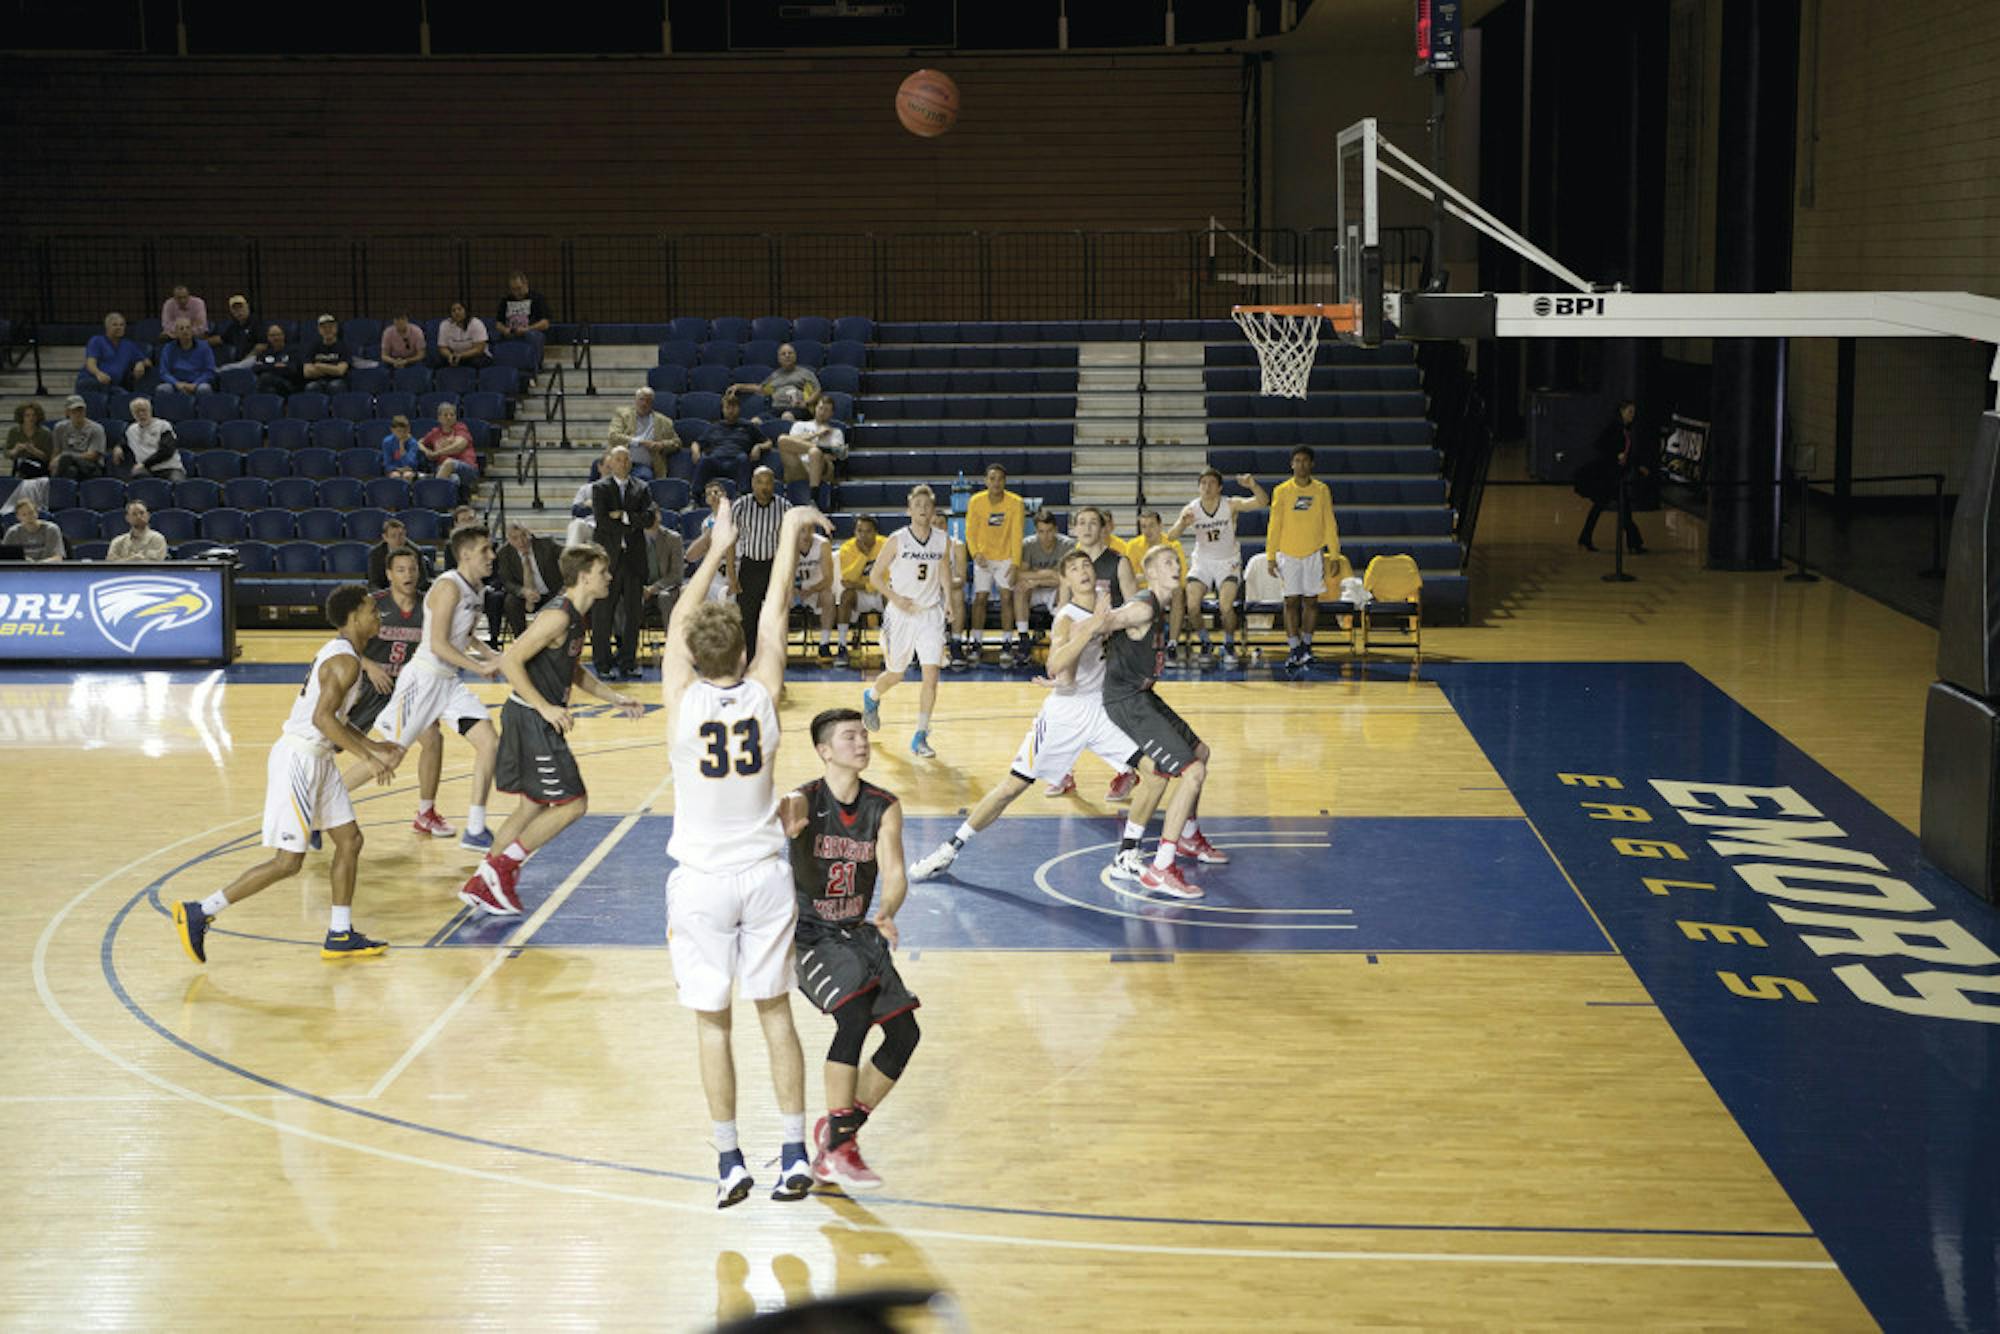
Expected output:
(1303, 541)
(995, 523)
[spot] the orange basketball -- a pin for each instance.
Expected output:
(927, 103)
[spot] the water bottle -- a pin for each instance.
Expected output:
(961, 493)
(1256, 656)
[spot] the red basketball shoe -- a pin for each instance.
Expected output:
(431, 823)
(491, 888)
(1167, 880)
(1197, 848)
(1122, 785)
(845, 1168)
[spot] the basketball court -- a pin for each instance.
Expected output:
(1433, 1050)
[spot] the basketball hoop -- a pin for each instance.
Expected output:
(1287, 340)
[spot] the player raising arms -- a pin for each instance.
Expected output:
(535, 762)
(913, 574)
(428, 689)
(730, 910)
(844, 833)
(303, 791)
(1217, 565)
(1071, 720)
(1134, 655)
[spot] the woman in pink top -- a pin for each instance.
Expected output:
(449, 446)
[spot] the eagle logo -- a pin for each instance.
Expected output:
(128, 609)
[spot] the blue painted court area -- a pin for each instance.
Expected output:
(1039, 883)
(1840, 995)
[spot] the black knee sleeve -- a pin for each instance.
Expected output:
(851, 1032)
(899, 1039)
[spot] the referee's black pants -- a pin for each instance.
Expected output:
(628, 587)
(753, 582)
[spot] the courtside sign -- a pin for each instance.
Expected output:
(116, 613)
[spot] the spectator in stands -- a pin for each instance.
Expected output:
(448, 448)
(579, 509)
(40, 542)
(138, 542)
(666, 565)
(402, 456)
(237, 344)
(180, 306)
(277, 366)
(79, 442)
(791, 389)
(522, 310)
(725, 448)
(403, 342)
(1037, 579)
(30, 447)
(639, 427)
(810, 448)
(461, 341)
(326, 363)
(113, 361)
(619, 505)
(186, 362)
(528, 571)
(395, 538)
(151, 442)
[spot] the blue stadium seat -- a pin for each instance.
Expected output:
(312, 462)
(255, 557)
(353, 405)
(760, 351)
(80, 525)
(309, 406)
(273, 525)
(845, 379)
(668, 379)
(720, 352)
(333, 433)
(428, 404)
(680, 352)
(270, 464)
(172, 405)
(689, 328)
(412, 380)
(815, 327)
(364, 334)
(217, 407)
(523, 354)
(342, 493)
(246, 493)
(110, 524)
(358, 461)
(711, 379)
(753, 372)
(845, 352)
(197, 434)
(321, 525)
(670, 493)
(500, 380)
(690, 428)
(225, 525)
(389, 493)
(454, 380)
(288, 433)
(729, 329)
(370, 380)
(175, 525)
(153, 492)
(295, 493)
(241, 435)
(424, 525)
(707, 405)
(854, 328)
(218, 465)
(775, 328)
(365, 524)
(396, 403)
(300, 558)
(347, 558)
(265, 408)
(812, 352)
(486, 405)
(197, 494)
(435, 493)
(239, 381)
(102, 493)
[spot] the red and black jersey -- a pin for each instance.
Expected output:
(392, 646)
(553, 670)
(1132, 665)
(833, 857)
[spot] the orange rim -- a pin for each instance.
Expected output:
(1345, 316)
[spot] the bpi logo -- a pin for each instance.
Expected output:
(127, 610)
(1568, 305)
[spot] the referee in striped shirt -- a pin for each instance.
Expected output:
(758, 519)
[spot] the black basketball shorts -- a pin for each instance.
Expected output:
(1156, 730)
(837, 965)
(534, 760)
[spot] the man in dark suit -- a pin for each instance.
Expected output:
(621, 507)
(530, 573)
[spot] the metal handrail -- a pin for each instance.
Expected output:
(555, 403)
(528, 463)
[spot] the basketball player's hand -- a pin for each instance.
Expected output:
(377, 676)
(556, 718)
(723, 531)
(799, 516)
(385, 758)
(887, 926)
(1247, 480)
(903, 604)
(630, 707)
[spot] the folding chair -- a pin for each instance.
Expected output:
(1395, 599)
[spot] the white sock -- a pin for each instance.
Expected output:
(965, 832)
(725, 1135)
(979, 638)
(1191, 828)
(923, 722)
(795, 1127)
(824, 636)
(1134, 830)
(426, 807)
(343, 918)
(515, 852)
(475, 819)
(1021, 628)
(1163, 856)
(843, 634)
(213, 905)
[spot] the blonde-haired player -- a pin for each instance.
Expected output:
(995, 523)
(730, 907)
(1218, 560)
(1304, 542)
(913, 575)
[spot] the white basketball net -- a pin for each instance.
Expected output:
(1286, 345)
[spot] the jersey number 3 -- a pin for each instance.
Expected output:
(749, 748)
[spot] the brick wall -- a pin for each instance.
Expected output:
(1900, 190)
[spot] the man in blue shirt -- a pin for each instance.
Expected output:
(724, 449)
(186, 363)
(113, 361)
